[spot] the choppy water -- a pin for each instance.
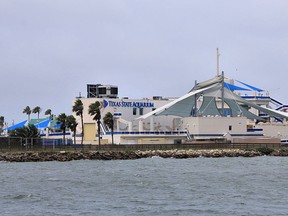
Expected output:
(153, 186)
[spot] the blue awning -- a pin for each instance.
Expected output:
(233, 87)
(43, 124)
(57, 126)
(251, 87)
(13, 127)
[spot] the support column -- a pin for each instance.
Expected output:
(130, 126)
(140, 125)
(151, 123)
(117, 125)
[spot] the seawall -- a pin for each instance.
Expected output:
(130, 155)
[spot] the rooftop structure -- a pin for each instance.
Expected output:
(102, 91)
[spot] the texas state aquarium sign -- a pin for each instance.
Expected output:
(127, 104)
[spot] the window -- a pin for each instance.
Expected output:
(114, 91)
(141, 111)
(134, 111)
(230, 127)
(102, 90)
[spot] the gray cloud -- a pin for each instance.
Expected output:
(50, 50)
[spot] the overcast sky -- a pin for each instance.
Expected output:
(50, 49)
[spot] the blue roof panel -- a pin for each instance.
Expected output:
(43, 124)
(251, 87)
(13, 127)
(233, 87)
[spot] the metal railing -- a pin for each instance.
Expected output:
(42, 144)
(30, 144)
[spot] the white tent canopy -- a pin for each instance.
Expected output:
(212, 89)
(180, 104)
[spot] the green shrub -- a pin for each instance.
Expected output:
(265, 150)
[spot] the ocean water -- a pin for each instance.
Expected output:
(151, 186)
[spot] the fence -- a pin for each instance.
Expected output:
(30, 144)
(23, 144)
(197, 146)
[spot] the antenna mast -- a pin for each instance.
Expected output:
(217, 61)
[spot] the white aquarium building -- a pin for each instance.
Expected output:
(215, 109)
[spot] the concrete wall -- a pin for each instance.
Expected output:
(214, 125)
(275, 130)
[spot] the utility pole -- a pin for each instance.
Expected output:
(222, 94)
(217, 62)
(195, 106)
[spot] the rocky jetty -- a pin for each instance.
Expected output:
(130, 155)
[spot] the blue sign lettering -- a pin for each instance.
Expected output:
(128, 104)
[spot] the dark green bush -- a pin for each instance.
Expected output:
(265, 150)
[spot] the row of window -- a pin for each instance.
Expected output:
(140, 110)
(135, 111)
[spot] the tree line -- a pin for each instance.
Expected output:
(65, 121)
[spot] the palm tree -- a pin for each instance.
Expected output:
(37, 110)
(94, 110)
(27, 111)
(48, 112)
(29, 131)
(78, 109)
(1, 123)
(62, 119)
(72, 125)
(109, 121)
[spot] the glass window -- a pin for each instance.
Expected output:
(102, 90)
(141, 111)
(134, 111)
(114, 90)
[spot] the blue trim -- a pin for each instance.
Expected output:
(59, 134)
(276, 101)
(251, 87)
(281, 107)
(278, 120)
(204, 135)
(222, 135)
(255, 97)
(254, 129)
(147, 132)
(183, 133)
(117, 114)
(54, 134)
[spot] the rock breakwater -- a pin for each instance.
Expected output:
(129, 155)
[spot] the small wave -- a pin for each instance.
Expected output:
(157, 157)
(3, 161)
(53, 179)
(18, 196)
